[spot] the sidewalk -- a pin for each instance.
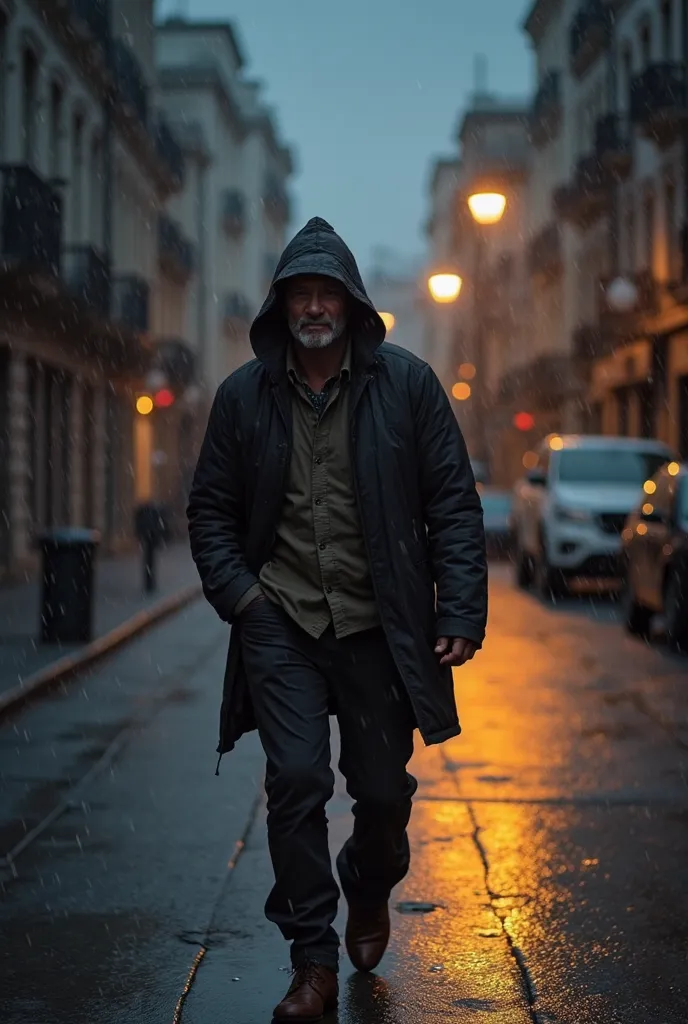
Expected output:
(119, 595)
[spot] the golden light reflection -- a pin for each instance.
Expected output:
(467, 371)
(461, 391)
(556, 444)
(530, 460)
(673, 469)
(388, 320)
(649, 487)
(641, 529)
(648, 508)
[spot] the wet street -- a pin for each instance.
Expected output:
(549, 880)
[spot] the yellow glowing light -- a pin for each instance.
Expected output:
(556, 444)
(445, 287)
(144, 405)
(388, 320)
(487, 207)
(648, 508)
(641, 528)
(649, 487)
(530, 460)
(467, 371)
(461, 391)
(673, 469)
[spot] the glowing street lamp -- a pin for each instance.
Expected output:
(144, 405)
(388, 320)
(487, 207)
(445, 287)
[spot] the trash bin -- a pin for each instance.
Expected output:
(68, 555)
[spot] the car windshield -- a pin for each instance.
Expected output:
(609, 466)
(496, 504)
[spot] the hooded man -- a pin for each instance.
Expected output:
(335, 523)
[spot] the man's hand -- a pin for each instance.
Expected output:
(455, 651)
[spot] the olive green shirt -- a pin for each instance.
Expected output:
(318, 569)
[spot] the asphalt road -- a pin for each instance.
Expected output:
(550, 873)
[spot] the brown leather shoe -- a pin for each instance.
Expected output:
(313, 992)
(367, 935)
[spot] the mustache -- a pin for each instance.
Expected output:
(307, 321)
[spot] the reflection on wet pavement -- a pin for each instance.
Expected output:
(549, 878)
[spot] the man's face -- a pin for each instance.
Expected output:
(316, 310)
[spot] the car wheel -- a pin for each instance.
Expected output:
(550, 582)
(636, 616)
(676, 611)
(523, 568)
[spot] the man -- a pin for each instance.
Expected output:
(333, 494)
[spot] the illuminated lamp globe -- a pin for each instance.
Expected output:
(445, 287)
(487, 207)
(622, 295)
(388, 320)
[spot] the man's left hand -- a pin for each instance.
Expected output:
(455, 651)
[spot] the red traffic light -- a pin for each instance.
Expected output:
(164, 398)
(524, 421)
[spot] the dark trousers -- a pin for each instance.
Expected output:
(294, 682)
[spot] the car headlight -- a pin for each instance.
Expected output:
(572, 515)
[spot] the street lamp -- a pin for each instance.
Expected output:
(487, 207)
(388, 320)
(445, 287)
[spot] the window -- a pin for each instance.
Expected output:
(30, 113)
(55, 130)
(646, 44)
(77, 178)
(609, 466)
(649, 229)
(666, 15)
(672, 253)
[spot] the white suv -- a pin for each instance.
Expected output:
(570, 508)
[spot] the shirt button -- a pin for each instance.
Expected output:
(318, 501)
(318, 461)
(322, 546)
(328, 590)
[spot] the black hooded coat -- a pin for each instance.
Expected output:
(420, 512)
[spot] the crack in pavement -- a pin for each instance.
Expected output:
(211, 929)
(527, 983)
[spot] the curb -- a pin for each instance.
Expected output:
(71, 664)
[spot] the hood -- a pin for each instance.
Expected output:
(316, 249)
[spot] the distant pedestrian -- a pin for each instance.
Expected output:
(334, 521)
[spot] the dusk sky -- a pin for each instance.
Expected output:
(368, 92)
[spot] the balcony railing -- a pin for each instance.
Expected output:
(131, 84)
(546, 114)
(234, 212)
(586, 198)
(30, 221)
(613, 145)
(174, 358)
(87, 276)
(175, 251)
(659, 101)
(590, 34)
(544, 252)
(236, 308)
(95, 14)
(169, 150)
(130, 298)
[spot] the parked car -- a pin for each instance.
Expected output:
(655, 550)
(497, 505)
(570, 508)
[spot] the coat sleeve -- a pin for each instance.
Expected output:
(453, 514)
(216, 514)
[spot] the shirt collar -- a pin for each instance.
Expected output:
(295, 373)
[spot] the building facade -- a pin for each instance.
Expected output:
(602, 224)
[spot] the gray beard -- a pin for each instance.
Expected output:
(323, 339)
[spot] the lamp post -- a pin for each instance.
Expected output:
(486, 208)
(444, 287)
